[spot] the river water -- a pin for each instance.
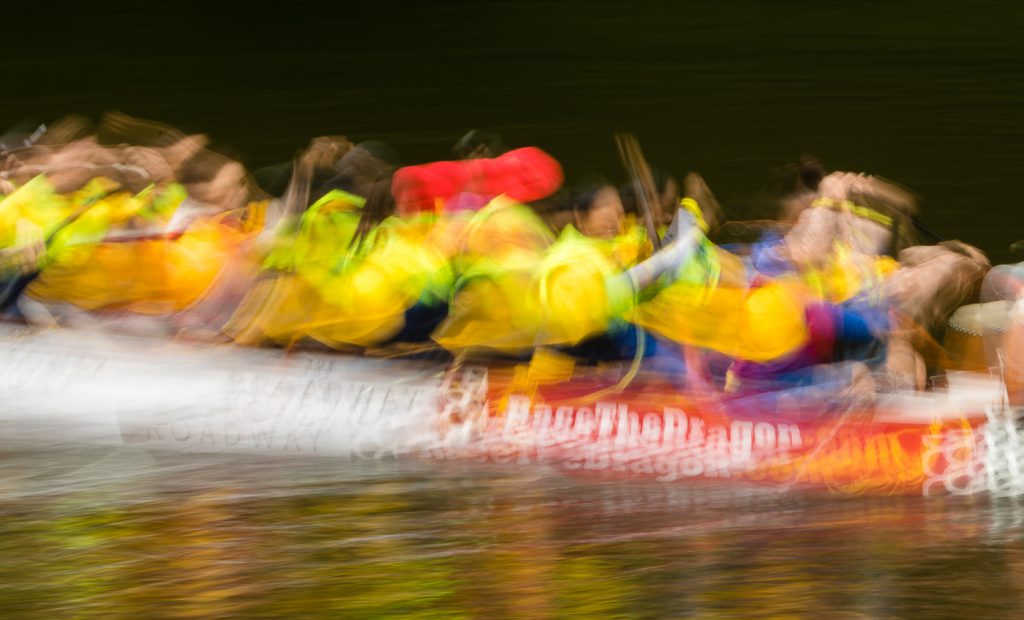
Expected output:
(926, 93)
(98, 533)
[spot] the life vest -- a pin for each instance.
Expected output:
(326, 289)
(147, 275)
(572, 281)
(494, 302)
(759, 324)
(37, 202)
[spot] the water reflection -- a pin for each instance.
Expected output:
(123, 533)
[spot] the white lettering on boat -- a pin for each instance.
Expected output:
(610, 436)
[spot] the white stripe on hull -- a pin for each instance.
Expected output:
(63, 386)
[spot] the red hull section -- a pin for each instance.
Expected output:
(650, 430)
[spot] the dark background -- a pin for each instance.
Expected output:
(928, 94)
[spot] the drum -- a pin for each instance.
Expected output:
(973, 333)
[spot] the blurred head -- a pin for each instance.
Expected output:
(808, 175)
(363, 165)
(74, 164)
(149, 160)
(119, 128)
(890, 200)
(214, 179)
(66, 130)
(797, 186)
(367, 170)
(598, 210)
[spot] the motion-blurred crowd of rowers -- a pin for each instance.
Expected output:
(132, 225)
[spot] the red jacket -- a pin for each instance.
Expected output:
(525, 175)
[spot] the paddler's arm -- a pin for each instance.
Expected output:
(622, 289)
(668, 259)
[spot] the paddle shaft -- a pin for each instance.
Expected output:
(643, 180)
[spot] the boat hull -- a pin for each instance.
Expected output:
(59, 386)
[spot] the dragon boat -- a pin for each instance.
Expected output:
(59, 386)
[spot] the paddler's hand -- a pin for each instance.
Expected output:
(324, 152)
(834, 186)
(183, 150)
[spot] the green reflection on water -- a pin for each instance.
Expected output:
(178, 538)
